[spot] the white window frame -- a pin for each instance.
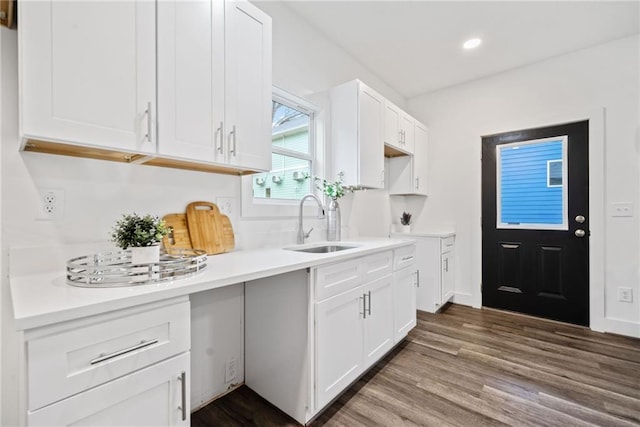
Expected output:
(549, 185)
(266, 208)
(565, 194)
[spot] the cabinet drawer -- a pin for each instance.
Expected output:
(404, 257)
(337, 278)
(376, 266)
(446, 244)
(103, 348)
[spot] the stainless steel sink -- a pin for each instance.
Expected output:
(324, 249)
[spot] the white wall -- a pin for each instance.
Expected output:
(603, 76)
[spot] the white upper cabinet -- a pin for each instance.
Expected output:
(392, 132)
(398, 129)
(214, 82)
(357, 134)
(408, 174)
(190, 78)
(88, 73)
(88, 82)
(248, 86)
(407, 127)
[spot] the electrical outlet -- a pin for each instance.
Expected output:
(227, 205)
(624, 209)
(625, 294)
(51, 203)
(230, 371)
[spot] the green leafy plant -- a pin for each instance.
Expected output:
(133, 230)
(335, 189)
(405, 219)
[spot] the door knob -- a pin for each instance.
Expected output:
(580, 233)
(580, 219)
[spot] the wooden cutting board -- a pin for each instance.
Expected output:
(179, 238)
(209, 229)
(228, 238)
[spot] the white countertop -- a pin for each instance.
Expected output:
(442, 233)
(43, 297)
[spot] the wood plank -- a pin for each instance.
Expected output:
(465, 366)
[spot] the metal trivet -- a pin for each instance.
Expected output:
(112, 269)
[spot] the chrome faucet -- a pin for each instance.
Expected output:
(301, 233)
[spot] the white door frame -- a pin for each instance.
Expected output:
(595, 116)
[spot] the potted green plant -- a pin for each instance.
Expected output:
(405, 220)
(142, 234)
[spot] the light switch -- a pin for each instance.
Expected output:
(622, 209)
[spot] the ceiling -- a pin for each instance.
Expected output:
(415, 46)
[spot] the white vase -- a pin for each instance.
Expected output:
(406, 228)
(145, 255)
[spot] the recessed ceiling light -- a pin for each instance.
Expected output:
(472, 43)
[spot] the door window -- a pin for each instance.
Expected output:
(531, 186)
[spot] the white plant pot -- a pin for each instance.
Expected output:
(406, 228)
(145, 255)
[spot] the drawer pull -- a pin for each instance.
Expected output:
(407, 258)
(104, 357)
(183, 386)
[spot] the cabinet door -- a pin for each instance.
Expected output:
(378, 323)
(247, 86)
(370, 138)
(339, 340)
(404, 302)
(407, 124)
(448, 278)
(191, 79)
(420, 157)
(85, 81)
(392, 133)
(154, 396)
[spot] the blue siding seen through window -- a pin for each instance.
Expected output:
(526, 197)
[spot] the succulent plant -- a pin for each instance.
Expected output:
(405, 219)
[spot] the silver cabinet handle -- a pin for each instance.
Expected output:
(103, 357)
(382, 177)
(183, 384)
(369, 310)
(400, 136)
(364, 306)
(407, 258)
(418, 278)
(417, 183)
(446, 265)
(232, 134)
(220, 132)
(148, 113)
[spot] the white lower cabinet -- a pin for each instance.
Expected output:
(435, 257)
(405, 302)
(303, 360)
(378, 324)
(125, 367)
(154, 396)
(339, 341)
(353, 331)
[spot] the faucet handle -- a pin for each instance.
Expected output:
(306, 235)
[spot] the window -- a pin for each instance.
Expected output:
(554, 173)
(296, 153)
(530, 184)
(292, 153)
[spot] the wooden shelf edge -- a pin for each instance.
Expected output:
(71, 150)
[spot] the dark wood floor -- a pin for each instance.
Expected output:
(469, 367)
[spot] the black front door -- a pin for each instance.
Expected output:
(535, 222)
